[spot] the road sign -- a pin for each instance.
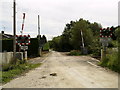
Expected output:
(23, 39)
(105, 41)
(23, 47)
(106, 32)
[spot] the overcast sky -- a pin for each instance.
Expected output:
(54, 14)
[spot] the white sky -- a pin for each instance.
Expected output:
(54, 14)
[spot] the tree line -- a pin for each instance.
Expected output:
(71, 38)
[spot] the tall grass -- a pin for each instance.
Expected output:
(111, 61)
(12, 71)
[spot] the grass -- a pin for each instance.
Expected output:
(15, 71)
(75, 53)
(111, 62)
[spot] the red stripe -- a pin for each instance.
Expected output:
(22, 26)
(23, 15)
(24, 35)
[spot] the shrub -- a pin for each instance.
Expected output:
(46, 47)
(75, 52)
(33, 47)
(7, 45)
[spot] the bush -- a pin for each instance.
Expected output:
(7, 45)
(75, 52)
(46, 47)
(33, 47)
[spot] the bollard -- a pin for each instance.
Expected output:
(25, 55)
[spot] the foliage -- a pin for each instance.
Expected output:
(46, 47)
(10, 66)
(111, 62)
(71, 38)
(113, 43)
(33, 47)
(75, 52)
(56, 43)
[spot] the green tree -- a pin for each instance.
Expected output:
(76, 39)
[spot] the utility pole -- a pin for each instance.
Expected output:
(14, 31)
(39, 29)
(39, 49)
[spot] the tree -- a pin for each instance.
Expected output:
(76, 39)
(71, 37)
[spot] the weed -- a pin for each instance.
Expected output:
(15, 70)
(75, 52)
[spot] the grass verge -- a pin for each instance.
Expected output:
(15, 71)
(111, 62)
(75, 53)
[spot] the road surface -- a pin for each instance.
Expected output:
(61, 71)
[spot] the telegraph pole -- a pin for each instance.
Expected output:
(39, 49)
(14, 31)
(39, 29)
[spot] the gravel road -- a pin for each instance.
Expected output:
(61, 71)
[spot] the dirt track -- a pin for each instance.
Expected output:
(71, 72)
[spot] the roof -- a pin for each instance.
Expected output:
(6, 36)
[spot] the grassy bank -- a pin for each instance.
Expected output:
(15, 70)
(111, 62)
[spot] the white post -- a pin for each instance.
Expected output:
(82, 39)
(25, 55)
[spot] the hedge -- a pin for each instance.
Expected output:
(33, 47)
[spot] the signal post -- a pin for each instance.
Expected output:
(23, 41)
(105, 38)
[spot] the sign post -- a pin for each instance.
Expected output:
(23, 41)
(105, 38)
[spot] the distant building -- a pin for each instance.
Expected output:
(6, 36)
